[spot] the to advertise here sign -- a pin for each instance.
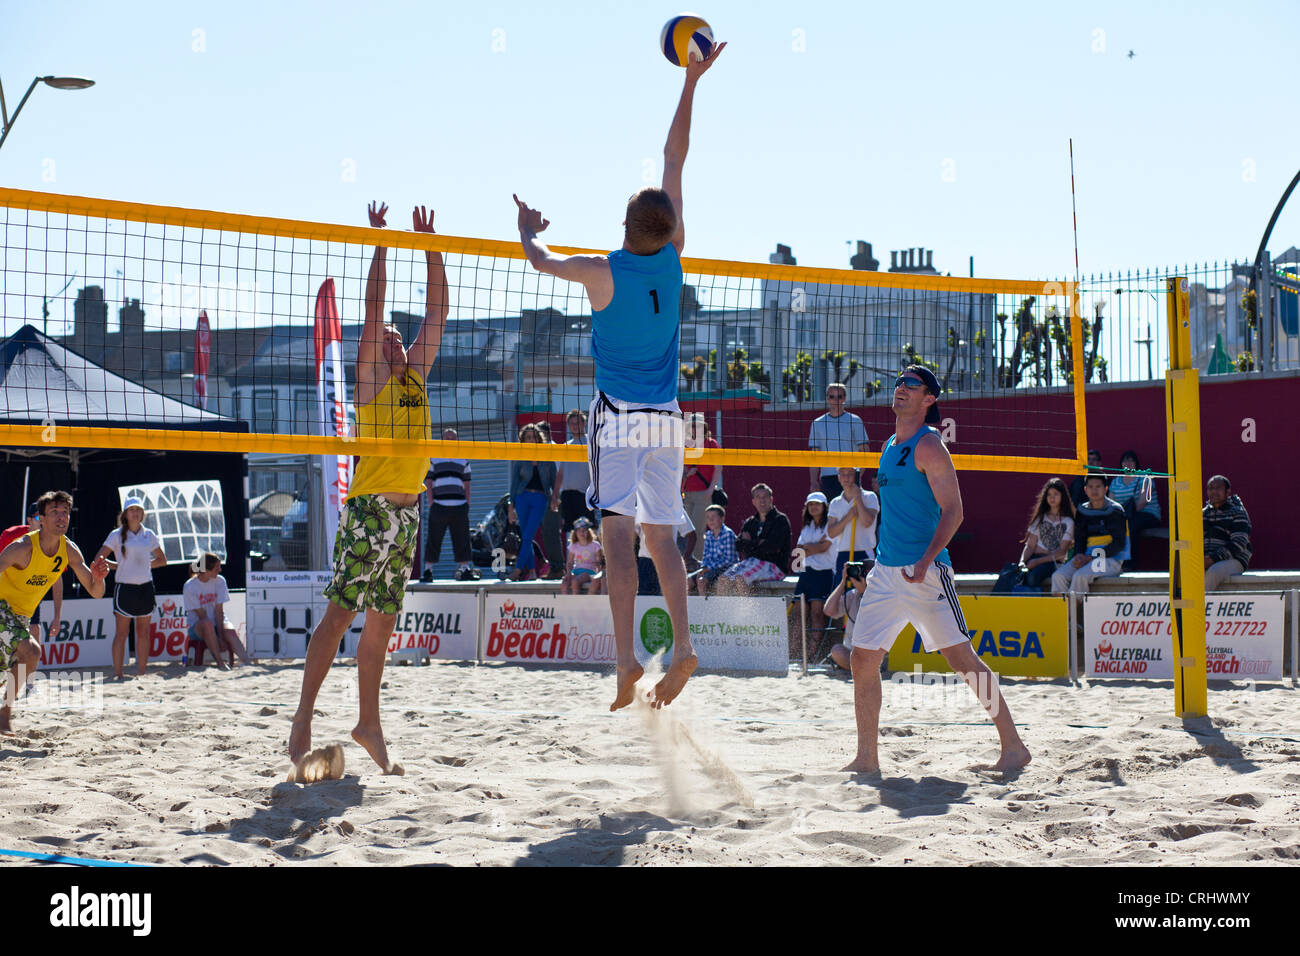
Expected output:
(727, 633)
(1014, 636)
(1131, 636)
(87, 627)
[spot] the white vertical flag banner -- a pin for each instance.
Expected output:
(331, 407)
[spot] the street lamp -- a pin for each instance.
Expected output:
(58, 82)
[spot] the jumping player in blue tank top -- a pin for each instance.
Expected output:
(912, 579)
(634, 293)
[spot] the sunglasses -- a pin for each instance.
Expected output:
(911, 381)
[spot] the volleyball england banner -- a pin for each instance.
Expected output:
(1129, 636)
(331, 409)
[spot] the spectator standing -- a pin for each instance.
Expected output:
(136, 552)
(531, 486)
(817, 575)
(853, 518)
(835, 431)
(763, 545)
(1136, 495)
(719, 548)
(1227, 533)
(572, 478)
(1077, 494)
(698, 482)
(447, 484)
(1099, 526)
(1050, 533)
(552, 532)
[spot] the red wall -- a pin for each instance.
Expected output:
(997, 505)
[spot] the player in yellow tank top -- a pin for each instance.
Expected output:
(28, 569)
(375, 545)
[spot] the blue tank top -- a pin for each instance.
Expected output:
(634, 339)
(905, 496)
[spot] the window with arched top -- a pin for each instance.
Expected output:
(187, 516)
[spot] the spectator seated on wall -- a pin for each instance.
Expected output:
(1049, 537)
(1077, 494)
(719, 549)
(1227, 533)
(1137, 496)
(1101, 541)
(763, 545)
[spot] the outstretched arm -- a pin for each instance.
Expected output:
(424, 349)
(592, 271)
(92, 576)
(679, 135)
(370, 350)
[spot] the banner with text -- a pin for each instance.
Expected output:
(1014, 636)
(85, 634)
(284, 608)
(1130, 636)
(746, 634)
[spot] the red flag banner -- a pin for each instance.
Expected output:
(202, 356)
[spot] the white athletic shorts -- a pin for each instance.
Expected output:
(890, 602)
(636, 451)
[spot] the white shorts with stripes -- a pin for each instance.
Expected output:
(891, 602)
(636, 452)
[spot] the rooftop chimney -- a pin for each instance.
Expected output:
(782, 256)
(863, 260)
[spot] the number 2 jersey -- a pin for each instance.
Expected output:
(911, 513)
(634, 339)
(24, 588)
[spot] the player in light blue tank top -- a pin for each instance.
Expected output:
(906, 495)
(635, 293)
(912, 582)
(635, 339)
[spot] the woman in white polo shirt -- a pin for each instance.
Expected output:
(136, 551)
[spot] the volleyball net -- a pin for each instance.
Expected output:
(139, 326)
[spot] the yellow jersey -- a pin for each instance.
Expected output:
(23, 589)
(400, 411)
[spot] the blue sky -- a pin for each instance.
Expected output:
(822, 123)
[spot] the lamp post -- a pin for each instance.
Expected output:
(58, 82)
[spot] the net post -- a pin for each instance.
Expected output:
(1186, 534)
(1080, 406)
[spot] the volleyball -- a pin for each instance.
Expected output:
(684, 35)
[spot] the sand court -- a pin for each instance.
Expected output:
(520, 765)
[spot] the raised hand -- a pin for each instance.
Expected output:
(530, 219)
(377, 215)
(422, 221)
(696, 68)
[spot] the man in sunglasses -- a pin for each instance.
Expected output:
(838, 430)
(912, 580)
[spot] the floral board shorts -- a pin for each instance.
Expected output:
(374, 551)
(13, 631)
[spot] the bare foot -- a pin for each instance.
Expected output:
(373, 741)
(299, 738)
(679, 672)
(862, 765)
(1013, 759)
(323, 764)
(626, 686)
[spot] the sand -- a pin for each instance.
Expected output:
(512, 765)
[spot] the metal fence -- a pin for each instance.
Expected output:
(1237, 325)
